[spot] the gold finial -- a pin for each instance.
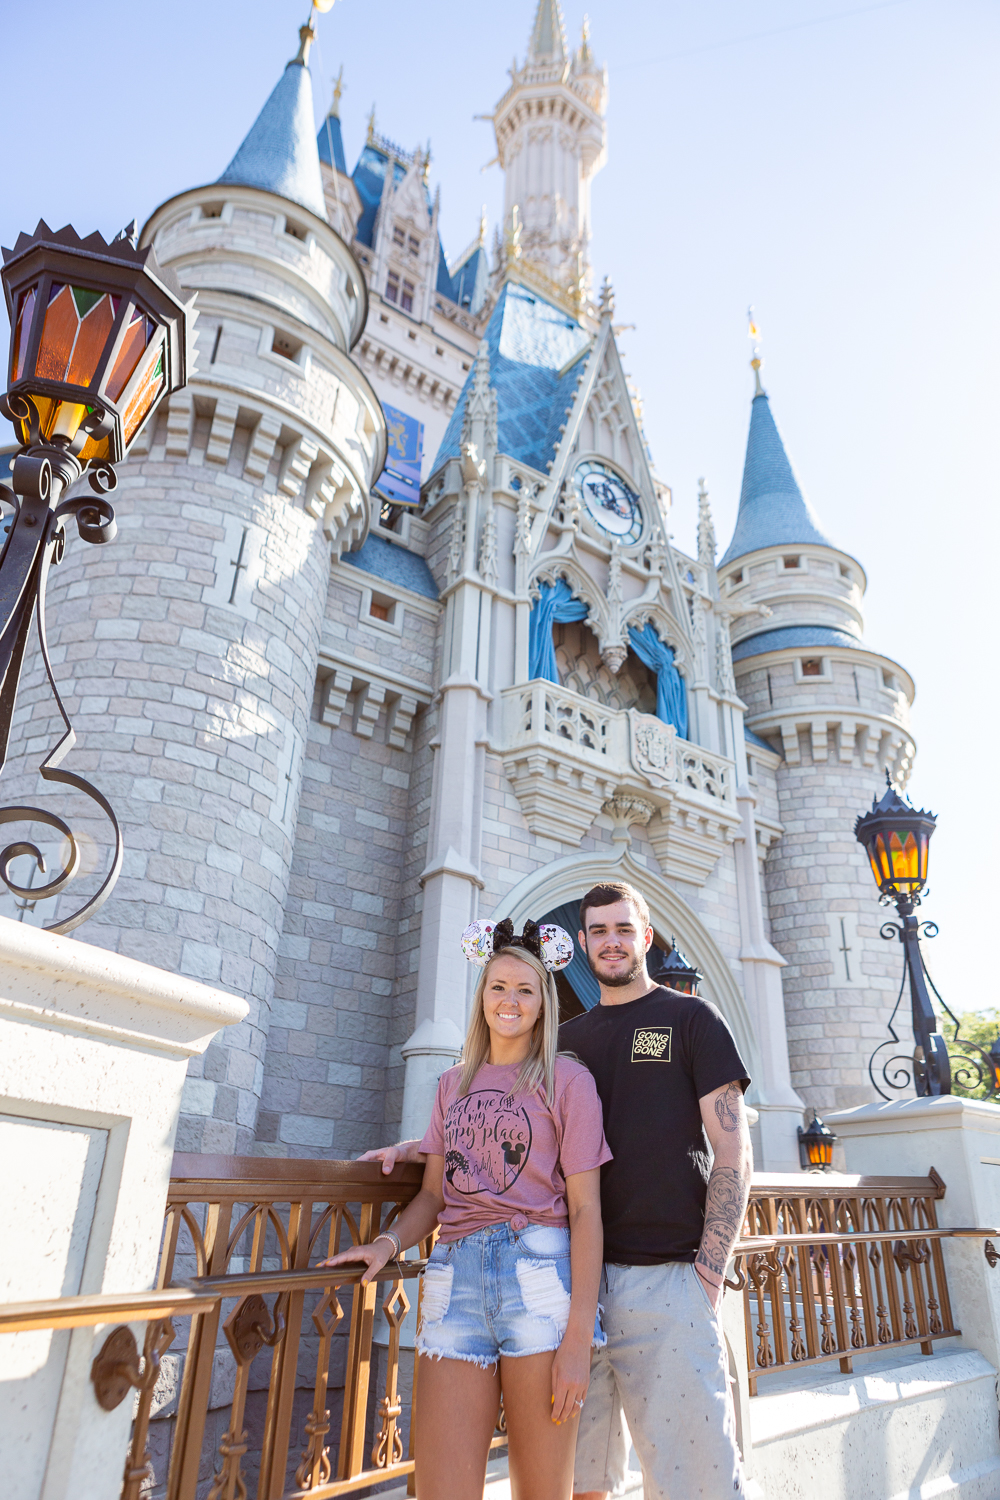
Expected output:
(306, 38)
(371, 127)
(482, 226)
(755, 365)
(427, 164)
(585, 41)
(753, 332)
(338, 89)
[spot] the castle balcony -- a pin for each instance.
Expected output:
(567, 756)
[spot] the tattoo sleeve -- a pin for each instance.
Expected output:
(725, 1207)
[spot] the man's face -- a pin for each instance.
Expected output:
(615, 943)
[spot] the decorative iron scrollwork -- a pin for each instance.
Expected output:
(36, 541)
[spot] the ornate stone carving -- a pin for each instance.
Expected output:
(624, 811)
(653, 747)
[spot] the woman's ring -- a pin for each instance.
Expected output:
(578, 1403)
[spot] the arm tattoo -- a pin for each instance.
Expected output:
(727, 1107)
(725, 1207)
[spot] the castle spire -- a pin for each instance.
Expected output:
(548, 172)
(548, 35)
(279, 151)
(773, 510)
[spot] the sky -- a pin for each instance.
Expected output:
(834, 165)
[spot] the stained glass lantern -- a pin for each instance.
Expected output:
(816, 1146)
(896, 839)
(98, 338)
(675, 973)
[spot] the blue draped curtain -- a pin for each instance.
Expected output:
(671, 698)
(555, 607)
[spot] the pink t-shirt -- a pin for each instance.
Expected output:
(506, 1155)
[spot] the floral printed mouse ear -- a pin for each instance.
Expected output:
(557, 946)
(477, 943)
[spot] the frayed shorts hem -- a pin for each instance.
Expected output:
(486, 1361)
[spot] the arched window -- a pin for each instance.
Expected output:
(671, 695)
(555, 603)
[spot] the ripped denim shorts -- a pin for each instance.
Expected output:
(498, 1292)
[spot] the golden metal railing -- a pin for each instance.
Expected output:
(832, 1266)
(829, 1267)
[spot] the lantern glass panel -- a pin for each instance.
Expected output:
(22, 333)
(137, 337)
(76, 328)
(144, 397)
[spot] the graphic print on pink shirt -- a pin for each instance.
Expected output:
(487, 1138)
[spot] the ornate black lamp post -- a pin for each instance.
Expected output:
(675, 973)
(896, 838)
(98, 338)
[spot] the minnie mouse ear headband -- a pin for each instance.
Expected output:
(482, 940)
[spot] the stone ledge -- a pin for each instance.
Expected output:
(62, 983)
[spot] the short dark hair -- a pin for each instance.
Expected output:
(609, 893)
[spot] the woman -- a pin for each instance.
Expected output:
(512, 1178)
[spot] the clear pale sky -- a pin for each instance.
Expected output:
(833, 164)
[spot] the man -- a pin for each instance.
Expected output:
(671, 1084)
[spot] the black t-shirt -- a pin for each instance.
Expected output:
(652, 1060)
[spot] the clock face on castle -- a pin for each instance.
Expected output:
(608, 501)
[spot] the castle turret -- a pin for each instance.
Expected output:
(193, 650)
(838, 713)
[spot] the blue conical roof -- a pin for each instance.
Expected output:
(773, 510)
(279, 153)
(330, 143)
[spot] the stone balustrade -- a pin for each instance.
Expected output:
(566, 756)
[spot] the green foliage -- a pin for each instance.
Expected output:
(981, 1027)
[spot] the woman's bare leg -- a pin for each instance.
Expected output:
(541, 1454)
(457, 1407)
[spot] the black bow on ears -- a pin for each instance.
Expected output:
(531, 938)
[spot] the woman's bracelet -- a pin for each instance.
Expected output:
(387, 1234)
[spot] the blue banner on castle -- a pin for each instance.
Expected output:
(399, 481)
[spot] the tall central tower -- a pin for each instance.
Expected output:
(551, 141)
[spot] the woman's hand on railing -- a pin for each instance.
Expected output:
(374, 1256)
(570, 1377)
(391, 1156)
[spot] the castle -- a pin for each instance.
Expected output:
(394, 636)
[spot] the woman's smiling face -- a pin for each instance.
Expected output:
(512, 1000)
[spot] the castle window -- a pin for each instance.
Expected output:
(736, 578)
(812, 666)
(406, 299)
(211, 210)
(392, 287)
(384, 609)
(398, 236)
(791, 562)
(438, 350)
(414, 245)
(297, 231)
(845, 571)
(889, 681)
(285, 345)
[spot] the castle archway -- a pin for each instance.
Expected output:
(567, 880)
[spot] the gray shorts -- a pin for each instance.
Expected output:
(664, 1373)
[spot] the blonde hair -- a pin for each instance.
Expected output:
(539, 1067)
